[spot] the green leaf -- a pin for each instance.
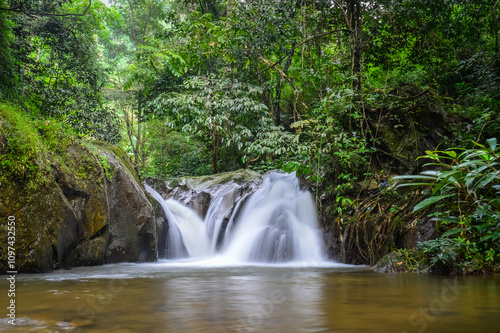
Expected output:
(447, 219)
(433, 173)
(416, 184)
(483, 238)
(487, 180)
(469, 179)
(483, 226)
(451, 153)
(429, 201)
(478, 144)
(414, 177)
(467, 163)
(452, 232)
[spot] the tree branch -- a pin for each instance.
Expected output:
(281, 72)
(346, 18)
(305, 41)
(13, 9)
(283, 75)
(420, 94)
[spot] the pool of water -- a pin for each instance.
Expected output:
(207, 297)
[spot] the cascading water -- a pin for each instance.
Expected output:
(221, 205)
(276, 224)
(186, 231)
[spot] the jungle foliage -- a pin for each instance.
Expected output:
(464, 188)
(50, 54)
(346, 93)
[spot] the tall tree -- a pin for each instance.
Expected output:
(55, 48)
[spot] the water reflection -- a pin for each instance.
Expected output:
(242, 303)
(163, 298)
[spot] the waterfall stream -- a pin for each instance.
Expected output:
(276, 224)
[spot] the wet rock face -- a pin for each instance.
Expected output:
(92, 211)
(198, 192)
(131, 219)
(332, 244)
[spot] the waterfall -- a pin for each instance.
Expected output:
(186, 230)
(276, 224)
(221, 205)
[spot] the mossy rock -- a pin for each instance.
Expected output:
(204, 183)
(46, 228)
(75, 203)
(120, 155)
(390, 263)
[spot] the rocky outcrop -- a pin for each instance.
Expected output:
(405, 124)
(410, 122)
(90, 210)
(390, 263)
(198, 192)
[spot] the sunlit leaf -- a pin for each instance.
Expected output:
(430, 201)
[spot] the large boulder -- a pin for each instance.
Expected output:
(90, 209)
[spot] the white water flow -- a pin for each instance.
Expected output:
(186, 235)
(276, 224)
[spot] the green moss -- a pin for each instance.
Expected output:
(120, 155)
(22, 152)
(108, 172)
(29, 148)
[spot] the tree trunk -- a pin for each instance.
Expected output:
(229, 9)
(129, 122)
(355, 40)
(215, 149)
(277, 106)
(497, 48)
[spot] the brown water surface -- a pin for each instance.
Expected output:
(187, 297)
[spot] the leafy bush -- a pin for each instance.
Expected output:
(465, 190)
(172, 155)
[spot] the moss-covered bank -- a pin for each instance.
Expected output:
(74, 202)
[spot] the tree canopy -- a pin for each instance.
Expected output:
(300, 85)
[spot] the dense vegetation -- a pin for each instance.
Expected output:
(347, 93)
